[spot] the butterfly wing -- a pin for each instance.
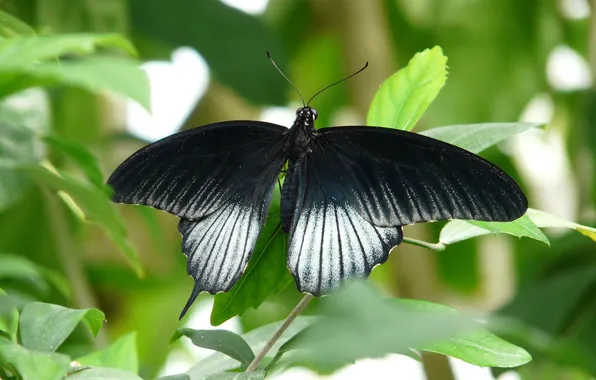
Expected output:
(219, 180)
(192, 173)
(329, 240)
(396, 178)
(358, 185)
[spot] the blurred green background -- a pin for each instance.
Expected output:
(509, 60)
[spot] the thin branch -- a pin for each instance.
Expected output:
(289, 319)
(432, 246)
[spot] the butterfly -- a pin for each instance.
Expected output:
(347, 193)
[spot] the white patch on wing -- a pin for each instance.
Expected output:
(331, 243)
(218, 247)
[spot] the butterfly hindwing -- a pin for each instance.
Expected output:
(219, 246)
(219, 180)
(330, 241)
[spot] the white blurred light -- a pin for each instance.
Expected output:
(384, 368)
(539, 110)
(279, 115)
(32, 107)
(574, 9)
(567, 70)
(253, 7)
(347, 116)
(464, 371)
(543, 162)
(509, 375)
(176, 87)
(379, 369)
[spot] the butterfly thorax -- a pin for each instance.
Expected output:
(300, 137)
(302, 132)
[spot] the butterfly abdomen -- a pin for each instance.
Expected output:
(289, 195)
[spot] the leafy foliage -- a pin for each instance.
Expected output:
(26, 62)
(223, 341)
(30, 364)
(478, 137)
(526, 226)
(346, 332)
(403, 98)
(58, 138)
(122, 354)
(44, 327)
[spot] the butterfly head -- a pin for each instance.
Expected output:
(307, 114)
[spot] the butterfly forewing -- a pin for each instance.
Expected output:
(191, 174)
(397, 178)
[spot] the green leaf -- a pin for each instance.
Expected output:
(458, 230)
(477, 137)
(257, 338)
(121, 354)
(17, 267)
(44, 327)
(11, 26)
(20, 268)
(520, 227)
(479, 347)
(265, 276)
(119, 75)
(544, 219)
(99, 373)
(291, 344)
(254, 375)
(9, 318)
(79, 154)
(403, 98)
(482, 348)
(22, 52)
(180, 376)
(8, 302)
(33, 365)
(12, 187)
(223, 341)
(96, 206)
(357, 322)
(476, 345)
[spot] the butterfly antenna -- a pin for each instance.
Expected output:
(288, 79)
(339, 81)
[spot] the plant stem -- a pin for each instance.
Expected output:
(436, 367)
(83, 296)
(425, 244)
(289, 319)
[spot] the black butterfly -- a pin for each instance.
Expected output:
(347, 193)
